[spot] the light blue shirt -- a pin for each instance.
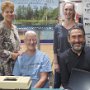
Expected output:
(27, 65)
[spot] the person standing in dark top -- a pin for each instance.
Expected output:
(78, 56)
(60, 39)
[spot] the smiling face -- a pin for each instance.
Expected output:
(31, 41)
(8, 14)
(69, 11)
(7, 8)
(76, 40)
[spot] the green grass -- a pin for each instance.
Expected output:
(36, 22)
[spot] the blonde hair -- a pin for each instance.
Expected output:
(6, 4)
(71, 4)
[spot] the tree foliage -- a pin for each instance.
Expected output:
(28, 13)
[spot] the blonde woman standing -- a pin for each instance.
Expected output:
(9, 39)
(60, 38)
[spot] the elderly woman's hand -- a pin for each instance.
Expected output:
(14, 55)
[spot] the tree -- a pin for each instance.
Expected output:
(29, 14)
(19, 12)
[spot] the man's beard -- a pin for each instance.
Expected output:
(76, 48)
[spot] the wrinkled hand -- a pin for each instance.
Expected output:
(14, 55)
(56, 67)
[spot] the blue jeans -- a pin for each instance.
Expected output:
(57, 80)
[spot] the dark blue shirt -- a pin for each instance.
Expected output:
(60, 39)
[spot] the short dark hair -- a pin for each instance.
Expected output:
(77, 26)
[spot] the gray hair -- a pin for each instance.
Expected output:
(30, 33)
